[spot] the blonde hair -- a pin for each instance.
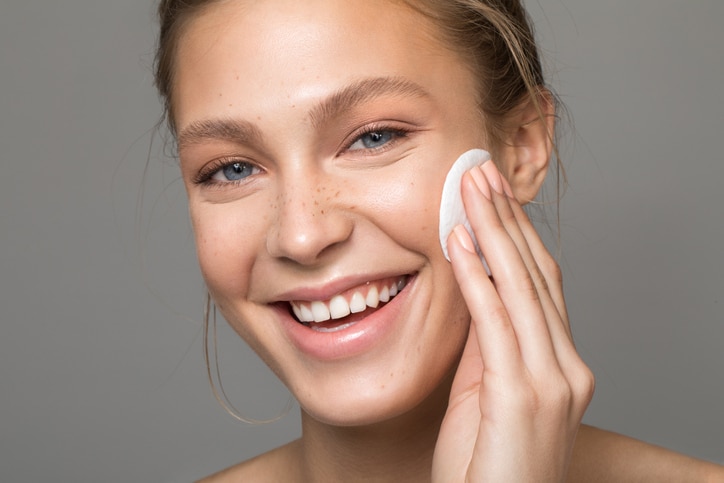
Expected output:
(494, 38)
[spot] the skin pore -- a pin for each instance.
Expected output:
(314, 138)
(322, 213)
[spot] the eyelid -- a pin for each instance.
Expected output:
(396, 128)
(206, 173)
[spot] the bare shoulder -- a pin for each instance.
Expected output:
(603, 456)
(273, 466)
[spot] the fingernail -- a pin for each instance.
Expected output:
(464, 238)
(506, 187)
(493, 176)
(480, 181)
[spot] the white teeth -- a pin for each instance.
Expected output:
(357, 304)
(338, 307)
(307, 315)
(373, 298)
(297, 311)
(320, 311)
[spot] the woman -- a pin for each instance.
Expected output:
(313, 139)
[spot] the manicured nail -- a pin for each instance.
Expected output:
(493, 175)
(464, 238)
(480, 181)
(506, 187)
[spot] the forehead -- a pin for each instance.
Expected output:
(300, 50)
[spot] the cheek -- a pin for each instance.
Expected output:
(406, 205)
(225, 246)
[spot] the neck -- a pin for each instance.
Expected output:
(396, 450)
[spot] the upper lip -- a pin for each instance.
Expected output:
(333, 287)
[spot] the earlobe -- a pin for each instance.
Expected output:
(529, 146)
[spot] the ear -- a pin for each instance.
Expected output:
(527, 150)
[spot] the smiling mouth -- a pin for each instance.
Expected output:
(349, 307)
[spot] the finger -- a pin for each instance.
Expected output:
(470, 369)
(551, 291)
(556, 319)
(513, 222)
(543, 259)
(513, 281)
(496, 338)
(506, 366)
(556, 323)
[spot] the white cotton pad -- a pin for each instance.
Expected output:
(452, 211)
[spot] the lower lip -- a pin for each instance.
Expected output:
(356, 339)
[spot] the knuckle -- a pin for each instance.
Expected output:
(539, 280)
(551, 267)
(498, 313)
(583, 385)
(560, 398)
(586, 384)
(521, 396)
(553, 396)
(507, 216)
(525, 284)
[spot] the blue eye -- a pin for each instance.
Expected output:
(373, 140)
(234, 172)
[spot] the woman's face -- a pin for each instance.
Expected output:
(314, 138)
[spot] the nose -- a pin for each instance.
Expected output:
(310, 221)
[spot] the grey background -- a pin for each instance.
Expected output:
(101, 371)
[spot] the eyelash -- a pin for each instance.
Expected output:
(205, 176)
(397, 134)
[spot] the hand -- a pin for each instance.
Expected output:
(521, 388)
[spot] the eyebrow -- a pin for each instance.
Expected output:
(346, 98)
(221, 129)
(361, 91)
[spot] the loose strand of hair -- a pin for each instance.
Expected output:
(214, 375)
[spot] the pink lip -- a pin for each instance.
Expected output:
(351, 341)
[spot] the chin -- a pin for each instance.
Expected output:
(367, 402)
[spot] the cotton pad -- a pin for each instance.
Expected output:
(452, 211)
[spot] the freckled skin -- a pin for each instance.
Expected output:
(381, 209)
